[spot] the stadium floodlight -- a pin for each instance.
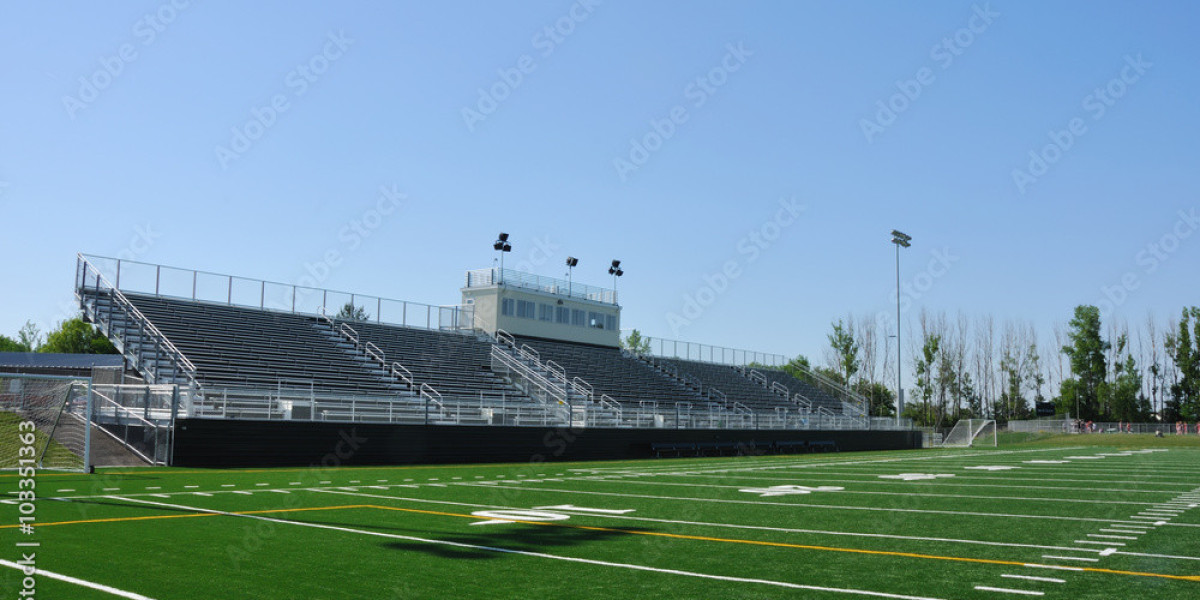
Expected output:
(571, 264)
(901, 240)
(615, 271)
(501, 245)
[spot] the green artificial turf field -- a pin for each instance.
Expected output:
(1099, 516)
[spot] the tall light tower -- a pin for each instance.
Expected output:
(900, 239)
(502, 246)
(572, 262)
(615, 271)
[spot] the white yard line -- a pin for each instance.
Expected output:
(984, 588)
(80, 582)
(873, 479)
(904, 494)
(1032, 578)
(718, 525)
(626, 566)
(802, 505)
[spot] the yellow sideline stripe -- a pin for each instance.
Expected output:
(188, 515)
(681, 536)
(678, 536)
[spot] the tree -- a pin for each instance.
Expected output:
(799, 368)
(30, 337)
(882, 399)
(75, 336)
(636, 343)
(8, 344)
(845, 349)
(927, 364)
(350, 312)
(1087, 353)
(1183, 347)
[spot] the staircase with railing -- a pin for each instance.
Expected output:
(145, 348)
(435, 408)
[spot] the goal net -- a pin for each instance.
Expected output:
(43, 422)
(971, 432)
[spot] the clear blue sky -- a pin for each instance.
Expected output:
(779, 113)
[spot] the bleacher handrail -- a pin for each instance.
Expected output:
(707, 353)
(350, 333)
(196, 285)
(556, 370)
(758, 377)
(544, 389)
(583, 388)
(140, 320)
(506, 338)
(374, 352)
(530, 354)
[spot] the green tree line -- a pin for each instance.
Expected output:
(72, 336)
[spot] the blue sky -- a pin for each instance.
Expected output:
(663, 134)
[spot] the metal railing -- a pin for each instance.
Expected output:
(231, 290)
(1074, 426)
(89, 277)
(520, 279)
(711, 354)
(396, 370)
(526, 379)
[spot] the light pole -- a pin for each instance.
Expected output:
(571, 263)
(501, 245)
(615, 271)
(900, 239)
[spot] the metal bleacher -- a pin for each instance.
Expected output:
(735, 386)
(236, 347)
(817, 396)
(627, 381)
(456, 364)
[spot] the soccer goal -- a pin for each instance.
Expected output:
(970, 432)
(43, 422)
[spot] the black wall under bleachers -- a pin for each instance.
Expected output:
(229, 443)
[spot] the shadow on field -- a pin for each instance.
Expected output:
(528, 538)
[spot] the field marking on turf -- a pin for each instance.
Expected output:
(984, 588)
(1033, 578)
(1053, 567)
(184, 516)
(710, 524)
(783, 530)
(1099, 543)
(961, 496)
(662, 535)
(1112, 537)
(798, 504)
(80, 582)
(629, 566)
(1076, 558)
(958, 482)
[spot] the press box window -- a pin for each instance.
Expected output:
(578, 318)
(610, 322)
(562, 315)
(595, 320)
(508, 307)
(525, 309)
(545, 312)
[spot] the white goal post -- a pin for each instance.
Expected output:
(44, 422)
(971, 432)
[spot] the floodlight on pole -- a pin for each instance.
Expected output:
(615, 271)
(571, 263)
(901, 240)
(502, 246)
